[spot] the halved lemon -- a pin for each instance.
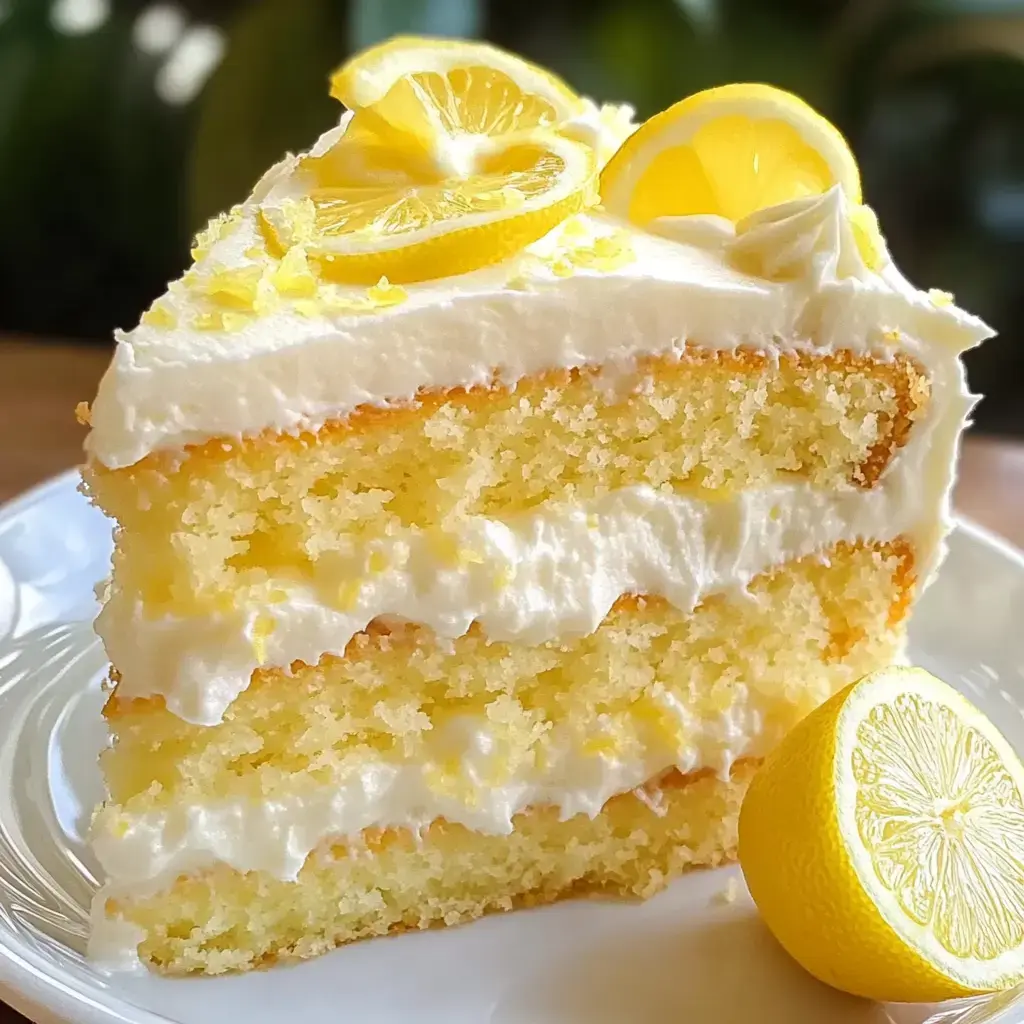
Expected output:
(728, 151)
(419, 229)
(441, 92)
(883, 843)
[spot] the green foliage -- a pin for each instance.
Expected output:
(268, 97)
(87, 157)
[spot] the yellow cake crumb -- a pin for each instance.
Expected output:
(223, 920)
(706, 425)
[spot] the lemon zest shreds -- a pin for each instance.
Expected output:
(293, 276)
(235, 287)
(160, 314)
(216, 230)
(384, 293)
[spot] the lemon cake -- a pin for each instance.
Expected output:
(501, 482)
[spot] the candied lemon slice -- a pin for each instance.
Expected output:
(414, 229)
(441, 93)
(728, 151)
(883, 842)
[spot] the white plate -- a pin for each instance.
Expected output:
(687, 955)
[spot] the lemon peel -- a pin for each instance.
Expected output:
(729, 151)
(883, 843)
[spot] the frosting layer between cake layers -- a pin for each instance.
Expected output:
(277, 834)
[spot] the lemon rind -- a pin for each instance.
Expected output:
(970, 975)
(362, 81)
(678, 123)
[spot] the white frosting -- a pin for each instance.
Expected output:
(567, 566)
(113, 943)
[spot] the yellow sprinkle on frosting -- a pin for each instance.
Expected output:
(293, 277)
(384, 293)
(236, 287)
(160, 314)
(218, 229)
(221, 320)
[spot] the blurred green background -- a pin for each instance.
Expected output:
(124, 125)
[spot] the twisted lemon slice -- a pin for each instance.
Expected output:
(728, 151)
(452, 161)
(883, 843)
(442, 92)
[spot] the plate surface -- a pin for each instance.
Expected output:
(690, 954)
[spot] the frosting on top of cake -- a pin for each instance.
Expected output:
(247, 341)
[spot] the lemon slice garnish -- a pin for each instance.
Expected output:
(452, 161)
(442, 92)
(883, 842)
(729, 151)
(421, 228)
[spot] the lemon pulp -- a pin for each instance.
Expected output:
(941, 820)
(883, 842)
(729, 151)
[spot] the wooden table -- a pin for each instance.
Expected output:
(40, 384)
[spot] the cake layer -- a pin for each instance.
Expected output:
(702, 424)
(552, 572)
(404, 729)
(395, 880)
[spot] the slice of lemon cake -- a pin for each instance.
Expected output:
(500, 483)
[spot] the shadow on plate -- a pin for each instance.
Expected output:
(732, 971)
